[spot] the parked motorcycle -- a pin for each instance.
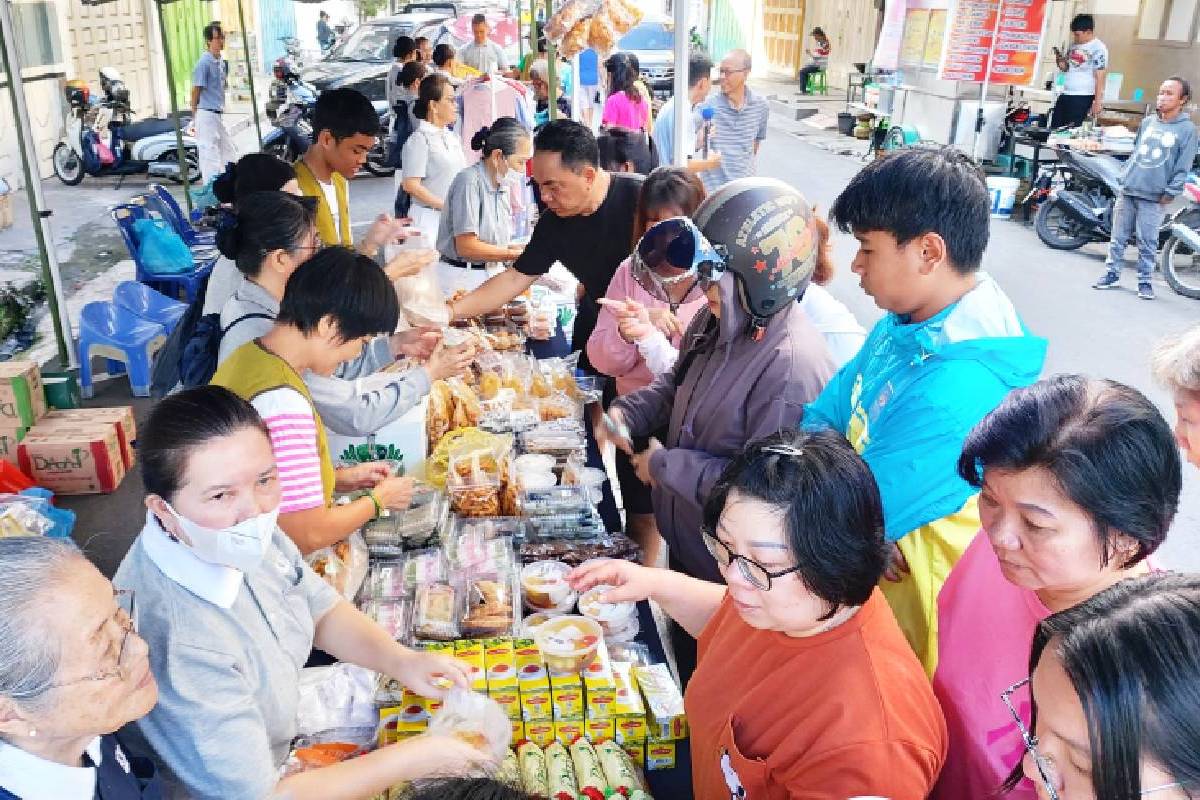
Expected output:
(1080, 192)
(100, 138)
(377, 158)
(1179, 258)
(289, 107)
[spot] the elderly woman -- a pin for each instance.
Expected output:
(1116, 694)
(230, 611)
(805, 685)
(73, 670)
(1176, 365)
(1080, 479)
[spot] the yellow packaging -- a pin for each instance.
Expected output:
(568, 730)
(599, 730)
(540, 733)
(509, 700)
(601, 703)
(531, 668)
(536, 705)
(664, 703)
(628, 701)
(636, 751)
(518, 730)
(630, 729)
(567, 702)
(599, 673)
(388, 731)
(660, 755)
(564, 680)
(470, 652)
(500, 664)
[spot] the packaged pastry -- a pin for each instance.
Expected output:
(424, 567)
(435, 612)
(544, 584)
(488, 608)
(533, 462)
(466, 404)
(555, 500)
(569, 14)
(509, 772)
(611, 617)
(439, 414)
(619, 771)
(624, 14)
(588, 771)
(386, 580)
(664, 702)
(532, 761)
(561, 773)
(578, 525)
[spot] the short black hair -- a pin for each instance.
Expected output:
(1083, 22)
(619, 146)
(1108, 447)
(404, 47)
(1132, 655)
(832, 511)
(344, 113)
(346, 286)
(572, 140)
(1184, 84)
(253, 172)
(211, 30)
(916, 191)
(478, 18)
(263, 223)
(699, 67)
(410, 73)
(442, 53)
(183, 421)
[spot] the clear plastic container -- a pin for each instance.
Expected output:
(613, 618)
(529, 481)
(393, 615)
(544, 584)
(387, 580)
(555, 500)
(579, 525)
(475, 499)
(436, 612)
(568, 643)
(575, 551)
(592, 479)
(534, 462)
(424, 566)
(489, 606)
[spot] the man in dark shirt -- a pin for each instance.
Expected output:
(587, 225)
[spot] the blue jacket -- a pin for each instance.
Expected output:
(912, 394)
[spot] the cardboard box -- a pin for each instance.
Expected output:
(568, 730)
(568, 702)
(536, 705)
(565, 680)
(50, 424)
(598, 730)
(636, 751)
(660, 755)
(84, 460)
(601, 703)
(531, 668)
(470, 652)
(664, 702)
(540, 733)
(122, 416)
(500, 664)
(22, 398)
(9, 438)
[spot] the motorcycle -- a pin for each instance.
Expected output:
(377, 158)
(289, 107)
(1078, 194)
(1179, 258)
(145, 146)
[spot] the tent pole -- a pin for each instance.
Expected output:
(551, 65)
(181, 154)
(33, 191)
(520, 38)
(683, 106)
(987, 74)
(250, 72)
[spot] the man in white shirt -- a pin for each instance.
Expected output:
(699, 85)
(482, 53)
(1085, 65)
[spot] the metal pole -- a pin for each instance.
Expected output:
(33, 191)
(181, 154)
(987, 74)
(250, 72)
(551, 65)
(520, 38)
(683, 105)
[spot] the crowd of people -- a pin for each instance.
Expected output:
(898, 563)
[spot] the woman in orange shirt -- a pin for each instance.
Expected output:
(805, 687)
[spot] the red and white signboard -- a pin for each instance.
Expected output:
(1014, 52)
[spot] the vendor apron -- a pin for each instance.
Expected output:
(452, 278)
(426, 220)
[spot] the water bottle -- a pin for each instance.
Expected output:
(706, 130)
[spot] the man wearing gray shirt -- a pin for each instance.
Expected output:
(483, 54)
(208, 103)
(740, 123)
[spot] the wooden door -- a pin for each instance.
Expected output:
(783, 35)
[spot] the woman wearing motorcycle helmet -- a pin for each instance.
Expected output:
(747, 364)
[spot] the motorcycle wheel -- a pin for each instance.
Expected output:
(193, 165)
(281, 149)
(68, 166)
(1056, 230)
(375, 164)
(1180, 265)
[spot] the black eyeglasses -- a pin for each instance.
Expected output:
(758, 575)
(126, 619)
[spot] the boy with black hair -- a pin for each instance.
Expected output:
(700, 68)
(949, 349)
(1085, 65)
(215, 146)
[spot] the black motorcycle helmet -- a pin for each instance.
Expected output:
(767, 234)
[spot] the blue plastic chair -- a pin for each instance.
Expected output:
(157, 208)
(149, 304)
(179, 221)
(171, 285)
(109, 331)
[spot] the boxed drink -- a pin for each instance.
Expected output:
(518, 730)
(509, 700)
(629, 729)
(121, 416)
(500, 663)
(568, 730)
(470, 652)
(567, 701)
(531, 669)
(540, 733)
(598, 674)
(601, 703)
(664, 702)
(660, 755)
(22, 398)
(85, 460)
(636, 751)
(599, 730)
(536, 705)
(564, 679)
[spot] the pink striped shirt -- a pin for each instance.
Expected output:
(293, 432)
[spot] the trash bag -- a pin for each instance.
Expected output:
(161, 250)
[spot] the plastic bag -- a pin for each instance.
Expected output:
(570, 14)
(421, 298)
(474, 718)
(22, 516)
(338, 696)
(160, 249)
(344, 565)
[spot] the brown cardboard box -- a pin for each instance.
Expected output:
(83, 460)
(9, 437)
(121, 415)
(22, 398)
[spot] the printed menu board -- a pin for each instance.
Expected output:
(1018, 41)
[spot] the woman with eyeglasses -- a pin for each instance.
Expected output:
(1079, 480)
(72, 672)
(805, 686)
(1116, 694)
(230, 611)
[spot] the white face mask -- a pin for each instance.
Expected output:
(241, 546)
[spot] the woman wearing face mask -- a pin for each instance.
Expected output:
(1116, 694)
(805, 685)
(1080, 480)
(230, 611)
(432, 156)
(476, 227)
(269, 236)
(333, 304)
(73, 670)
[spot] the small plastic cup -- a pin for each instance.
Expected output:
(529, 481)
(593, 478)
(568, 643)
(534, 462)
(545, 584)
(611, 617)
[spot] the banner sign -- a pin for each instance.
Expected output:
(1017, 45)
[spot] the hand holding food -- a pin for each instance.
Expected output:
(431, 674)
(416, 342)
(407, 263)
(449, 362)
(394, 492)
(631, 582)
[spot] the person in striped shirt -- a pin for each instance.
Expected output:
(333, 304)
(740, 123)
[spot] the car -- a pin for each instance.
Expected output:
(653, 42)
(361, 61)
(457, 32)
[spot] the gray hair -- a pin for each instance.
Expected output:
(1175, 361)
(540, 69)
(744, 57)
(28, 658)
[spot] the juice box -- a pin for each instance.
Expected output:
(598, 674)
(531, 669)
(536, 705)
(660, 755)
(629, 729)
(500, 663)
(540, 733)
(509, 700)
(599, 730)
(518, 730)
(470, 652)
(568, 730)
(601, 703)
(664, 703)
(627, 701)
(636, 751)
(567, 702)
(564, 679)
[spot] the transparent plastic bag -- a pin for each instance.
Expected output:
(21, 515)
(344, 565)
(421, 298)
(476, 719)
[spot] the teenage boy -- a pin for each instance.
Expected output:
(215, 146)
(1084, 67)
(1152, 177)
(949, 349)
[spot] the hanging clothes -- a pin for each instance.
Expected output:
(483, 100)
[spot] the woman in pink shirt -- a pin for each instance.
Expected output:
(1079, 482)
(615, 346)
(625, 107)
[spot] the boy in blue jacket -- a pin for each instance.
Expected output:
(949, 349)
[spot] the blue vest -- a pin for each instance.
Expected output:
(113, 782)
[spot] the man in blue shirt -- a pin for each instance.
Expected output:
(699, 85)
(208, 103)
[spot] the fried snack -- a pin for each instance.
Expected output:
(561, 773)
(475, 501)
(575, 42)
(440, 412)
(602, 35)
(552, 408)
(466, 404)
(533, 769)
(473, 738)
(567, 17)
(618, 768)
(588, 771)
(489, 385)
(538, 385)
(624, 15)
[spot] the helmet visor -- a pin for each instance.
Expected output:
(673, 261)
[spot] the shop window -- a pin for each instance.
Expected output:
(1168, 21)
(37, 32)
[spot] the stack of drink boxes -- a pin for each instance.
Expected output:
(603, 702)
